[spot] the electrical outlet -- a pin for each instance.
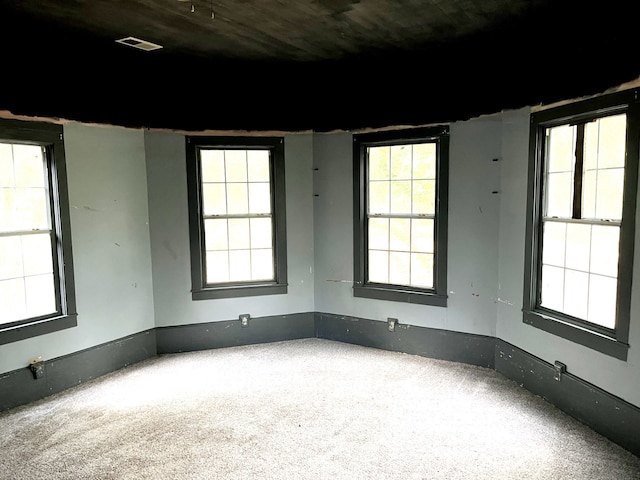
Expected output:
(37, 367)
(391, 324)
(560, 369)
(244, 320)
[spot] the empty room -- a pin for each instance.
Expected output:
(323, 239)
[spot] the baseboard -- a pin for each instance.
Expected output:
(426, 342)
(205, 336)
(605, 413)
(19, 387)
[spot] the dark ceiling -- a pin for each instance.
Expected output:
(307, 65)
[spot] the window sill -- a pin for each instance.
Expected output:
(400, 295)
(583, 336)
(211, 293)
(36, 328)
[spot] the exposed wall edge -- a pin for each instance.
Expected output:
(605, 413)
(426, 342)
(230, 333)
(19, 387)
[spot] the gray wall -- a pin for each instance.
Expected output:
(615, 376)
(473, 234)
(169, 227)
(110, 235)
(131, 245)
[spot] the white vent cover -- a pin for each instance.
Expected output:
(138, 43)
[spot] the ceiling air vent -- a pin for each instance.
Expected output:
(138, 43)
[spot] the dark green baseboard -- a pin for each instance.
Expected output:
(19, 387)
(605, 413)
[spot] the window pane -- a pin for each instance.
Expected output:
(578, 246)
(589, 182)
(236, 165)
(612, 138)
(10, 258)
(259, 198)
(424, 161)
(378, 266)
(32, 209)
(37, 254)
(591, 140)
(217, 267)
(379, 163)
(559, 195)
(400, 234)
(6, 166)
(212, 165)
(261, 234)
(609, 194)
(400, 197)
(258, 165)
(422, 235)
(8, 221)
(262, 264)
(552, 287)
(561, 156)
(29, 166)
(239, 265)
(12, 299)
(602, 301)
(214, 199)
(401, 162)
(239, 234)
(41, 295)
(378, 197)
(237, 198)
(424, 197)
(215, 234)
(399, 268)
(605, 244)
(379, 233)
(576, 290)
(422, 270)
(554, 243)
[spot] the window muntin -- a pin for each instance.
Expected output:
(584, 182)
(238, 224)
(27, 283)
(581, 230)
(400, 215)
(401, 211)
(237, 216)
(36, 267)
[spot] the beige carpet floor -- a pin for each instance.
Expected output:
(305, 409)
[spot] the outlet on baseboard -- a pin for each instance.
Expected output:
(244, 320)
(391, 324)
(37, 367)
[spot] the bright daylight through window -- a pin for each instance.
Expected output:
(401, 197)
(586, 175)
(36, 276)
(237, 186)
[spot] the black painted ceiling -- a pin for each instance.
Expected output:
(307, 65)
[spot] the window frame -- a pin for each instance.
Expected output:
(200, 290)
(437, 296)
(50, 137)
(612, 342)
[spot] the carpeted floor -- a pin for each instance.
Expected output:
(305, 409)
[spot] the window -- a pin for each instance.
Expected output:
(582, 195)
(400, 218)
(237, 216)
(36, 271)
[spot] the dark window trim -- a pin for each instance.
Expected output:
(200, 290)
(49, 136)
(610, 342)
(400, 293)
